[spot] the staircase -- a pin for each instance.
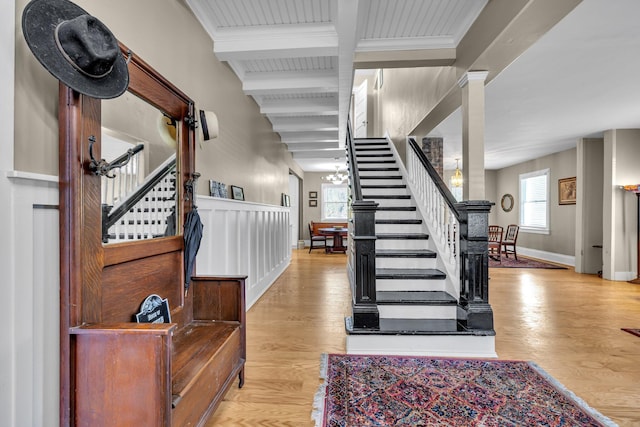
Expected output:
(417, 287)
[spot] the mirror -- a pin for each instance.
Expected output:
(139, 198)
(507, 202)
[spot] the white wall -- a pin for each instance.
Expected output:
(242, 238)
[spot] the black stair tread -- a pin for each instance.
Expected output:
(380, 177)
(415, 297)
(398, 221)
(396, 208)
(410, 273)
(405, 253)
(387, 196)
(380, 169)
(374, 155)
(399, 186)
(415, 327)
(361, 143)
(402, 236)
(369, 162)
(373, 149)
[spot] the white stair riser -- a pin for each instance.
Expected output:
(399, 228)
(379, 164)
(402, 244)
(393, 202)
(405, 262)
(363, 174)
(462, 346)
(413, 311)
(382, 153)
(396, 215)
(385, 191)
(383, 181)
(410, 285)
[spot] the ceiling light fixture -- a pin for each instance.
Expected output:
(337, 177)
(456, 178)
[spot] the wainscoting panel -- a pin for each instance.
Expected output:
(31, 313)
(242, 238)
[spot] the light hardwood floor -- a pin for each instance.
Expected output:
(567, 323)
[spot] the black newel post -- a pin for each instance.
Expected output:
(474, 264)
(365, 310)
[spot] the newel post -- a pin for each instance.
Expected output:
(364, 308)
(474, 264)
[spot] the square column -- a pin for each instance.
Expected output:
(472, 84)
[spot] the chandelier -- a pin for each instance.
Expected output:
(456, 178)
(337, 177)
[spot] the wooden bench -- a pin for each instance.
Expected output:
(114, 371)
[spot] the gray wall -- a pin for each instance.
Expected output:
(247, 153)
(561, 239)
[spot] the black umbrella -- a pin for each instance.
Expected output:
(192, 233)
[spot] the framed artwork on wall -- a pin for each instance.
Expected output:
(313, 194)
(286, 201)
(313, 203)
(567, 191)
(237, 193)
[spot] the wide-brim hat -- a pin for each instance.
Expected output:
(77, 48)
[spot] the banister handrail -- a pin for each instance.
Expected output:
(437, 179)
(151, 181)
(356, 189)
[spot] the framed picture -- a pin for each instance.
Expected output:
(313, 194)
(286, 201)
(313, 203)
(237, 193)
(567, 191)
(218, 189)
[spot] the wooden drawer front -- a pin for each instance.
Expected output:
(208, 388)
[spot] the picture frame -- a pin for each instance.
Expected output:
(237, 193)
(313, 203)
(286, 201)
(218, 189)
(313, 194)
(567, 190)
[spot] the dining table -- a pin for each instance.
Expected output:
(338, 234)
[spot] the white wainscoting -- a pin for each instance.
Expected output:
(29, 262)
(243, 238)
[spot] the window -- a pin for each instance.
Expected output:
(334, 201)
(534, 201)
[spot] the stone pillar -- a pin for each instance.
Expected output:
(432, 147)
(472, 84)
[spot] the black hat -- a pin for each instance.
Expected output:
(75, 47)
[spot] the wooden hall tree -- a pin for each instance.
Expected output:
(116, 372)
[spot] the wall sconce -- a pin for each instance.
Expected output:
(456, 178)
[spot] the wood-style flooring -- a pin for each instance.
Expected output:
(567, 323)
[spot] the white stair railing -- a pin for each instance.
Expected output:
(437, 205)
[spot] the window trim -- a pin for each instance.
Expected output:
(322, 202)
(528, 228)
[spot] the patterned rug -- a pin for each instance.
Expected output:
(362, 391)
(632, 331)
(522, 263)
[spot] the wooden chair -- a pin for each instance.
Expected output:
(495, 242)
(509, 242)
(317, 241)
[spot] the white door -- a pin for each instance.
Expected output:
(360, 111)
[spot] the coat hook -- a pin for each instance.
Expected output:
(102, 167)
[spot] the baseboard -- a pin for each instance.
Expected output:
(548, 256)
(624, 276)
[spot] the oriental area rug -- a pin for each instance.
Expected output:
(522, 263)
(632, 331)
(362, 391)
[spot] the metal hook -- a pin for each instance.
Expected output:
(102, 167)
(129, 55)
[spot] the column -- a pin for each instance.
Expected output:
(472, 84)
